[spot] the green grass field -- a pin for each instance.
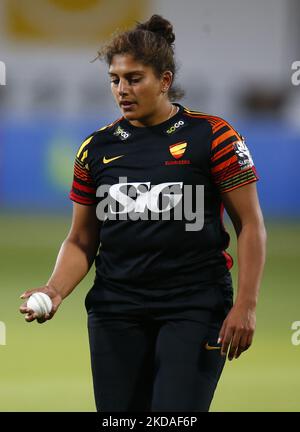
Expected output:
(47, 367)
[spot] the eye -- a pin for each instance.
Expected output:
(135, 80)
(130, 81)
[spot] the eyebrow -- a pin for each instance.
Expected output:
(137, 72)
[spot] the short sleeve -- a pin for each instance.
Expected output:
(231, 162)
(83, 189)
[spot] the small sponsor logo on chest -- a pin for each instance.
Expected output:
(175, 127)
(177, 150)
(122, 133)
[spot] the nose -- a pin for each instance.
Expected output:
(122, 88)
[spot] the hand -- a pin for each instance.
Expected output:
(30, 314)
(237, 331)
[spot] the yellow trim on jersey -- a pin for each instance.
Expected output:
(104, 127)
(87, 141)
(107, 126)
(84, 144)
(194, 112)
(84, 156)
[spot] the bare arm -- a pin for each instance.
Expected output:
(244, 210)
(78, 251)
(75, 257)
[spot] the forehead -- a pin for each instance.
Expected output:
(122, 64)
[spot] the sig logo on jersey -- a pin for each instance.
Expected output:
(144, 196)
(121, 133)
(141, 200)
(244, 157)
(175, 127)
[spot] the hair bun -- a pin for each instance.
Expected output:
(158, 24)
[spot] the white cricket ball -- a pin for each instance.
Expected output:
(40, 303)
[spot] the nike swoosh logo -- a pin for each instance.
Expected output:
(209, 347)
(105, 161)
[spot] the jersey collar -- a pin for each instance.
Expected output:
(161, 127)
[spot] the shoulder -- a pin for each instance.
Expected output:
(217, 124)
(98, 135)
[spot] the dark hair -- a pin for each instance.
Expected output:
(151, 43)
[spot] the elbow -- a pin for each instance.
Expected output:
(258, 234)
(262, 229)
(256, 228)
(264, 236)
(264, 233)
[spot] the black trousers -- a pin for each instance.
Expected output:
(152, 352)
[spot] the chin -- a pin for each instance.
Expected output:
(130, 115)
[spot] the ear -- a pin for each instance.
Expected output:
(166, 81)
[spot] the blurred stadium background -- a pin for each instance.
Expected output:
(235, 61)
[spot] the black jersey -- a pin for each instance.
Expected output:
(150, 182)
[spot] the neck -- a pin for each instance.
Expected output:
(164, 114)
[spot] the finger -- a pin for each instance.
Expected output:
(222, 332)
(250, 338)
(24, 309)
(242, 345)
(221, 336)
(30, 317)
(241, 350)
(226, 341)
(49, 316)
(44, 318)
(28, 293)
(55, 306)
(234, 345)
(248, 341)
(23, 305)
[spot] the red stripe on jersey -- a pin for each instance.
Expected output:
(229, 260)
(84, 175)
(80, 199)
(255, 171)
(83, 188)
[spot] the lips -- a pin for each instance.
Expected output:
(126, 104)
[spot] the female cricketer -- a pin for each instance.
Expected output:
(149, 193)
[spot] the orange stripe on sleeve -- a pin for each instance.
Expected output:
(222, 138)
(221, 153)
(224, 165)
